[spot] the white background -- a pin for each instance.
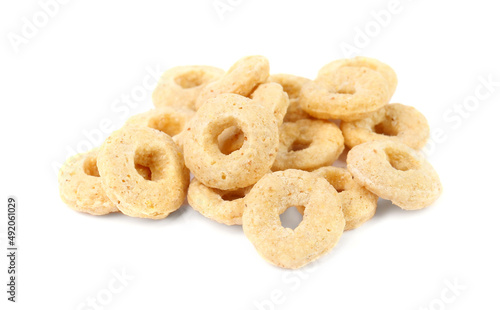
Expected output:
(71, 75)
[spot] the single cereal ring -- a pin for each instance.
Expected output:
(394, 171)
(358, 204)
(272, 95)
(170, 120)
(292, 85)
(321, 226)
(394, 121)
(308, 144)
(225, 207)
(240, 168)
(359, 61)
(242, 78)
(132, 194)
(180, 86)
(80, 185)
(348, 93)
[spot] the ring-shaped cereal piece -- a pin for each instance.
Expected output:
(360, 61)
(394, 122)
(272, 95)
(348, 94)
(180, 86)
(292, 85)
(394, 171)
(132, 194)
(170, 120)
(225, 207)
(240, 168)
(80, 185)
(318, 232)
(358, 204)
(241, 79)
(308, 144)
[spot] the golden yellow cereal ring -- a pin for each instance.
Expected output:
(308, 144)
(272, 95)
(242, 78)
(321, 226)
(385, 70)
(80, 185)
(240, 168)
(394, 171)
(347, 93)
(132, 194)
(180, 86)
(358, 204)
(225, 207)
(170, 120)
(394, 122)
(292, 85)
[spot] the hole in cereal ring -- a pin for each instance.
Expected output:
(291, 218)
(144, 162)
(401, 160)
(231, 139)
(299, 145)
(189, 79)
(233, 195)
(90, 166)
(166, 123)
(385, 127)
(143, 171)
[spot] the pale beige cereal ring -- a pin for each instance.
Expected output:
(180, 86)
(308, 144)
(225, 207)
(170, 120)
(272, 95)
(80, 185)
(358, 204)
(240, 168)
(394, 171)
(292, 85)
(242, 78)
(321, 226)
(132, 194)
(360, 61)
(347, 93)
(394, 121)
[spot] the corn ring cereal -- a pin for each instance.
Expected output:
(321, 226)
(394, 121)
(240, 168)
(225, 207)
(394, 171)
(292, 85)
(180, 86)
(308, 144)
(242, 78)
(80, 185)
(132, 194)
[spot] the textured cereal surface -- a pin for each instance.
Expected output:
(80, 185)
(385, 70)
(272, 95)
(346, 93)
(242, 78)
(132, 193)
(225, 207)
(394, 171)
(240, 168)
(321, 226)
(181, 86)
(358, 204)
(292, 85)
(308, 144)
(392, 122)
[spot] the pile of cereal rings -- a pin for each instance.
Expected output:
(258, 144)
